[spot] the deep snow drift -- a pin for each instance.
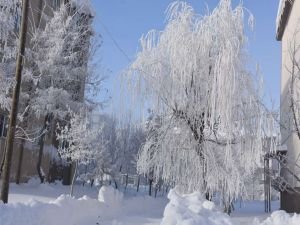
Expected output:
(192, 209)
(35, 204)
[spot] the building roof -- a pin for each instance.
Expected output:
(284, 10)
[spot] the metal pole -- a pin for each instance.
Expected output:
(269, 187)
(15, 102)
(265, 196)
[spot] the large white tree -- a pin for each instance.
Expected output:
(10, 12)
(57, 71)
(208, 135)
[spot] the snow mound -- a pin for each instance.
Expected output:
(192, 209)
(110, 196)
(282, 218)
(33, 182)
(64, 210)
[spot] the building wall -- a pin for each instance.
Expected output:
(289, 138)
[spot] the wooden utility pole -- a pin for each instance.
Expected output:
(15, 102)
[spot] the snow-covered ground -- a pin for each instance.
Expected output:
(248, 211)
(49, 204)
(35, 204)
(192, 209)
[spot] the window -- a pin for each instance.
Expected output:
(56, 4)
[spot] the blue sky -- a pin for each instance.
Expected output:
(122, 22)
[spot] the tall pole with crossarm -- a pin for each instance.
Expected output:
(15, 102)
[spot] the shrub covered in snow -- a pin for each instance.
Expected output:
(192, 209)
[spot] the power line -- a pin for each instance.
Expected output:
(115, 42)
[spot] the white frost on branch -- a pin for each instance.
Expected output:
(10, 11)
(207, 133)
(83, 6)
(9, 17)
(58, 63)
(77, 139)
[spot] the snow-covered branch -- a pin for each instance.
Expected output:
(209, 125)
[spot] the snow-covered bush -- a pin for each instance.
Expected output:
(192, 209)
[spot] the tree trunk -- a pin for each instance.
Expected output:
(20, 160)
(3, 158)
(67, 174)
(138, 184)
(92, 182)
(126, 181)
(116, 184)
(155, 192)
(150, 186)
(74, 178)
(41, 149)
(40, 158)
(15, 103)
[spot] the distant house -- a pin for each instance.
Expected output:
(287, 26)
(30, 157)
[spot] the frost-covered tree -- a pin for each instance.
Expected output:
(110, 153)
(194, 76)
(115, 149)
(60, 56)
(58, 67)
(10, 12)
(78, 141)
(130, 137)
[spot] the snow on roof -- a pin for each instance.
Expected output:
(279, 12)
(284, 9)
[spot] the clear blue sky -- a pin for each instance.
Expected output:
(124, 21)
